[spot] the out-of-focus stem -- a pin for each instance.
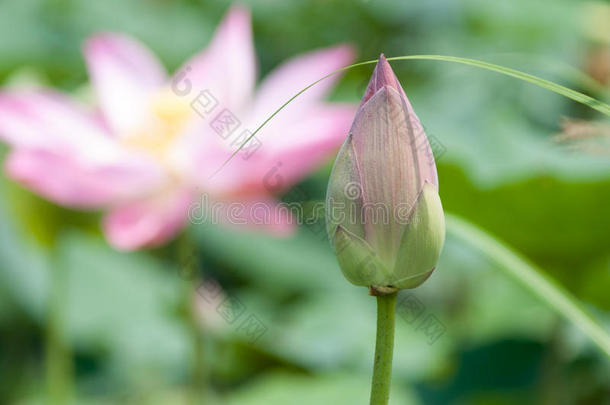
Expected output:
(58, 358)
(199, 379)
(189, 271)
(384, 349)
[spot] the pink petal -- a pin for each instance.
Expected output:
(294, 75)
(288, 153)
(401, 118)
(322, 125)
(199, 152)
(125, 74)
(394, 161)
(291, 152)
(203, 152)
(227, 68)
(64, 153)
(148, 223)
(66, 180)
(46, 119)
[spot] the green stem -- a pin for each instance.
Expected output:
(384, 349)
(58, 359)
(199, 379)
(189, 271)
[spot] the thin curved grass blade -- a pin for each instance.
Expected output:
(546, 84)
(532, 278)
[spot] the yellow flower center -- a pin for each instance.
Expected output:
(169, 115)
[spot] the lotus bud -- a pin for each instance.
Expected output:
(384, 215)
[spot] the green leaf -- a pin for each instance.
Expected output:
(478, 316)
(304, 261)
(532, 278)
(539, 218)
(125, 303)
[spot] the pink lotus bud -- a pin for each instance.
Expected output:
(384, 214)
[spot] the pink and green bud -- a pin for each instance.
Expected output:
(384, 214)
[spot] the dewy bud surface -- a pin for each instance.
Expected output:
(384, 214)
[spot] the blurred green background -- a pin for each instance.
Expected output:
(506, 167)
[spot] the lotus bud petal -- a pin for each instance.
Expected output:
(384, 215)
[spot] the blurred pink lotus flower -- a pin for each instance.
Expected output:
(149, 152)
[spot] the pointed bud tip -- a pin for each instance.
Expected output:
(383, 76)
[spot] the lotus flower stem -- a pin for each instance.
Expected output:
(384, 349)
(58, 359)
(189, 271)
(199, 378)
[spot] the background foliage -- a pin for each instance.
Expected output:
(502, 169)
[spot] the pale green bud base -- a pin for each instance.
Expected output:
(380, 291)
